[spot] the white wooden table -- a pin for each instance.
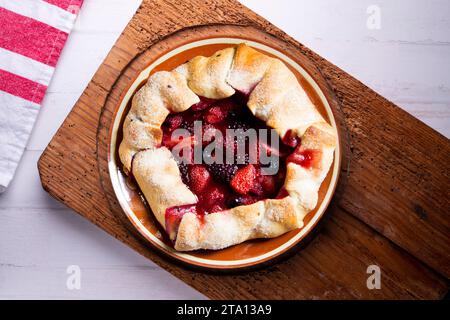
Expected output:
(407, 60)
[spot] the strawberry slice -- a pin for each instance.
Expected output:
(200, 178)
(173, 218)
(244, 179)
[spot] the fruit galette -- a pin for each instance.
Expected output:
(208, 188)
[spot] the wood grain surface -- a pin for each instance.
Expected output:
(393, 211)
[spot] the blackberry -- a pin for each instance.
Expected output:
(234, 202)
(184, 168)
(222, 172)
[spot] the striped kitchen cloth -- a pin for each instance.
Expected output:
(32, 36)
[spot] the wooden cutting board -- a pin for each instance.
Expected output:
(392, 208)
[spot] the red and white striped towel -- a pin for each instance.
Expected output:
(32, 36)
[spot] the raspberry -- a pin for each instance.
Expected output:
(199, 178)
(244, 179)
(222, 172)
(173, 121)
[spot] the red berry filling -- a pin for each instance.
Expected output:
(200, 178)
(174, 215)
(290, 139)
(244, 179)
(307, 158)
(219, 112)
(221, 186)
(203, 104)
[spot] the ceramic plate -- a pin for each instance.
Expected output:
(248, 254)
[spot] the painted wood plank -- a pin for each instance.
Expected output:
(402, 21)
(37, 246)
(25, 190)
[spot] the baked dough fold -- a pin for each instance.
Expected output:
(163, 93)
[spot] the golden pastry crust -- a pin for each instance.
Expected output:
(158, 176)
(248, 68)
(207, 76)
(163, 93)
(263, 219)
(284, 107)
